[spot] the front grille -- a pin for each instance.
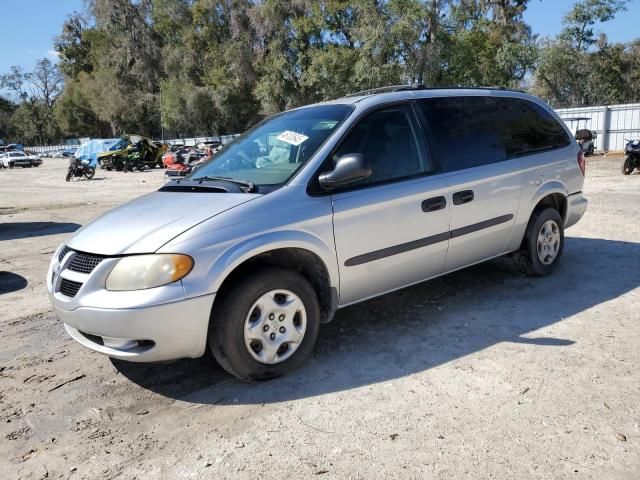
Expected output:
(69, 288)
(63, 252)
(84, 263)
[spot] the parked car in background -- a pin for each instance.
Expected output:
(184, 156)
(15, 158)
(212, 145)
(132, 151)
(316, 209)
(69, 151)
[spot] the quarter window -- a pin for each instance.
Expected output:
(528, 128)
(387, 140)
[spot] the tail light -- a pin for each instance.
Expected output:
(582, 163)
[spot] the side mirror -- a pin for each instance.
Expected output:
(349, 169)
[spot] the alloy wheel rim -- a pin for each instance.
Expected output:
(548, 244)
(275, 326)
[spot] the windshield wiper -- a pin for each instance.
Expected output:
(248, 185)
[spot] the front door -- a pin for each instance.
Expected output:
(392, 229)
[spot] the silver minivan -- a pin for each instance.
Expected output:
(315, 209)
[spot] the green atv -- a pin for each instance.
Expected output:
(132, 152)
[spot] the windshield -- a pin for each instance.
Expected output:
(121, 144)
(272, 151)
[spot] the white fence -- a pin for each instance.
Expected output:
(190, 142)
(613, 123)
(49, 148)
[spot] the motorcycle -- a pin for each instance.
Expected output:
(80, 168)
(632, 157)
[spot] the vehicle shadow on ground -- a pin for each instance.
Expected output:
(17, 230)
(11, 282)
(421, 327)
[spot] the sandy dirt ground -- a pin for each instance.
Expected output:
(480, 374)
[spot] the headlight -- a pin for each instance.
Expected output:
(139, 272)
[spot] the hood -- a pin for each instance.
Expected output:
(147, 223)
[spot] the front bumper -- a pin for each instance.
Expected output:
(142, 326)
(149, 334)
(576, 206)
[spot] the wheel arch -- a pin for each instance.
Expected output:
(301, 252)
(552, 194)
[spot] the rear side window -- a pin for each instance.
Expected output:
(464, 133)
(528, 128)
(467, 132)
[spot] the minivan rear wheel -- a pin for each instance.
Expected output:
(267, 326)
(543, 243)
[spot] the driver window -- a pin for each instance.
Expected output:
(388, 141)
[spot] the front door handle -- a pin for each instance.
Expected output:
(433, 204)
(464, 196)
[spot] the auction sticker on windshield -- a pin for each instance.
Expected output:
(293, 138)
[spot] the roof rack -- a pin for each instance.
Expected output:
(420, 86)
(388, 89)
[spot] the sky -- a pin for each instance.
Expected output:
(30, 25)
(28, 28)
(545, 17)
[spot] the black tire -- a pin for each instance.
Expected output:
(226, 328)
(89, 172)
(69, 175)
(527, 257)
(628, 165)
(11, 165)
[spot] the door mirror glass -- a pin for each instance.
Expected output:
(349, 168)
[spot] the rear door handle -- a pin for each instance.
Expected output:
(464, 196)
(433, 204)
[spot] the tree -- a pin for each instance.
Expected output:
(584, 15)
(123, 84)
(7, 109)
(36, 92)
(195, 67)
(576, 68)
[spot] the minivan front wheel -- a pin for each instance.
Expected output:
(543, 243)
(266, 326)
